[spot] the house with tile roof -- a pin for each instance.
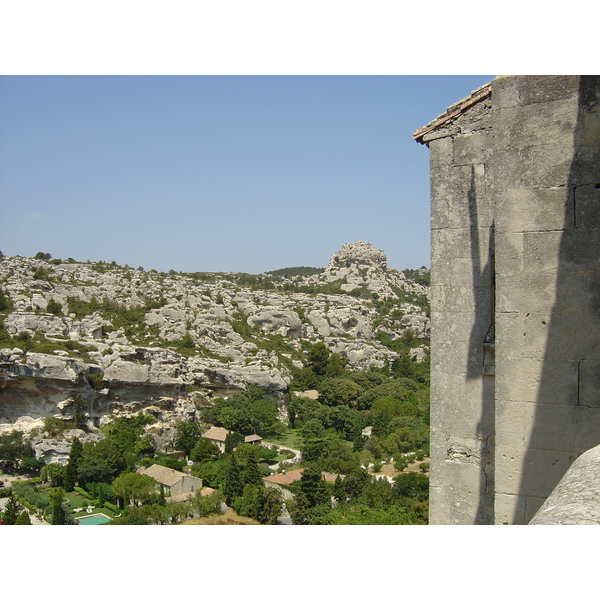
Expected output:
(217, 435)
(253, 439)
(176, 485)
(282, 480)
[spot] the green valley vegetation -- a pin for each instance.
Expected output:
(343, 367)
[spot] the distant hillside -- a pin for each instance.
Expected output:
(296, 272)
(128, 340)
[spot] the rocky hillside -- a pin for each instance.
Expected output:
(127, 340)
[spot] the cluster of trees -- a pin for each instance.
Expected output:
(105, 472)
(396, 408)
(247, 412)
(16, 455)
(13, 513)
(244, 489)
(360, 499)
(394, 403)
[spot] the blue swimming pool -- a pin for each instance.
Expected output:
(95, 519)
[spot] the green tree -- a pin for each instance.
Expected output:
(12, 510)
(388, 405)
(336, 365)
(188, 434)
(134, 488)
(412, 485)
(355, 483)
(263, 413)
(94, 468)
(23, 519)
(251, 473)
(54, 307)
(304, 379)
(75, 452)
(232, 440)
(339, 490)
(70, 472)
(271, 506)
(259, 503)
(6, 303)
(58, 511)
(313, 486)
(14, 448)
(404, 366)
(208, 505)
(233, 485)
(204, 450)
(56, 474)
(339, 390)
(145, 446)
(318, 358)
(302, 409)
(299, 509)
(79, 415)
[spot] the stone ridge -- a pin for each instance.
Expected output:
(360, 253)
(129, 341)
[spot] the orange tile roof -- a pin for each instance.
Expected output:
(453, 111)
(285, 478)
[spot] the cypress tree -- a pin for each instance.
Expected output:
(251, 473)
(58, 513)
(11, 511)
(234, 485)
(314, 487)
(23, 519)
(339, 490)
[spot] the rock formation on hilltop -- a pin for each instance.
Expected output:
(357, 253)
(126, 340)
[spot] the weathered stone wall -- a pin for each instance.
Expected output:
(515, 216)
(462, 313)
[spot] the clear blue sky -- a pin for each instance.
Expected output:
(218, 173)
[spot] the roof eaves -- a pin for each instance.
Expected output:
(453, 111)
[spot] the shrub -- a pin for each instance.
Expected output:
(95, 379)
(54, 307)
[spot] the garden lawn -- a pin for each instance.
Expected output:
(291, 438)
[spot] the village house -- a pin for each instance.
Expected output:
(217, 435)
(176, 485)
(255, 440)
(280, 481)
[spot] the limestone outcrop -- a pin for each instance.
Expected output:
(126, 340)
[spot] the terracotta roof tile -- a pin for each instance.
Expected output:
(453, 111)
(163, 475)
(216, 433)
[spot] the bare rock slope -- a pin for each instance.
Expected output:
(127, 340)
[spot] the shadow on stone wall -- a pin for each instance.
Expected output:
(481, 342)
(567, 418)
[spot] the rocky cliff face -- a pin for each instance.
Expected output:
(128, 340)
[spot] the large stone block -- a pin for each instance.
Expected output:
(589, 383)
(525, 126)
(520, 336)
(532, 167)
(587, 428)
(527, 89)
(520, 209)
(529, 472)
(587, 206)
(472, 149)
(521, 379)
(456, 493)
